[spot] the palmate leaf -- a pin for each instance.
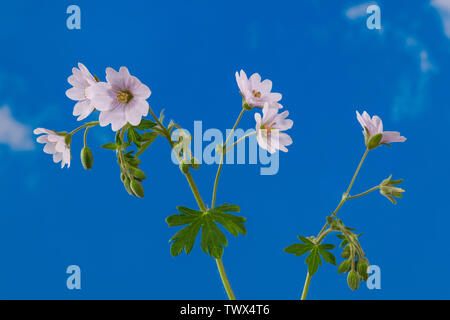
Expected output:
(213, 240)
(316, 253)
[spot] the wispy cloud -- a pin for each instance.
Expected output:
(413, 88)
(13, 133)
(358, 11)
(443, 7)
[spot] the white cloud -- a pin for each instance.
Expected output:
(359, 11)
(13, 133)
(443, 7)
(411, 98)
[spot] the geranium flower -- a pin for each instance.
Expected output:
(81, 79)
(121, 100)
(269, 128)
(254, 92)
(373, 131)
(55, 144)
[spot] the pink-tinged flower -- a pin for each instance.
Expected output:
(81, 79)
(121, 100)
(373, 131)
(254, 92)
(56, 145)
(269, 129)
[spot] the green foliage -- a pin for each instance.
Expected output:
(129, 162)
(317, 252)
(213, 240)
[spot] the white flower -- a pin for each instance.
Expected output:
(374, 126)
(81, 79)
(255, 92)
(269, 129)
(120, 101)
(54, 144)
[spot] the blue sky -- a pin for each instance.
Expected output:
(326, 63)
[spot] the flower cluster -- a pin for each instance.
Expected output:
(121, 100)
(269, 127)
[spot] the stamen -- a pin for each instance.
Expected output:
(124, 96)
(256, 94)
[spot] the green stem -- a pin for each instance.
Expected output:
(89, 124)
(241, 139)
(306, 286)
(363, 193)
(324, 230)
(202, 206)
(219, 170)
(195, 191)
(226, 282)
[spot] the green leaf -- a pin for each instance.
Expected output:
(185, 210)
(298, 249)
(180, 220)
(313, 261)
(145, 125)
(149, 136)
(327, 256)
(327, 246)
(213, 240)
(232, 223)
(305, 240)
(147, 140)
(228, 208)
(185, 238)
(110, 146)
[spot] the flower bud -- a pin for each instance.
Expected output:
(87, 158)
(137, 188)
(388, 190)
(353, 280)
(344, 266)
(195, 164)
(346, 253)
(362, 269)
(127, 185)
(184, 166)
(138, 174)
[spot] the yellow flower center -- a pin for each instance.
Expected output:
(256, 94)
(124, 96)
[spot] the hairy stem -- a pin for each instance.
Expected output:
(225, 281)
(363, 193)
(324, 232)
(89, 124)
(219, 169)
(202, 206)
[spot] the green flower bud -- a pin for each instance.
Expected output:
(346, 253)
(374, 141)
(195, 164)
(362, 267)
(137, 188)
(353, 280)
(344, 266)
(127, 185)
(184, 166)
(138, 174)
(87, 158)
